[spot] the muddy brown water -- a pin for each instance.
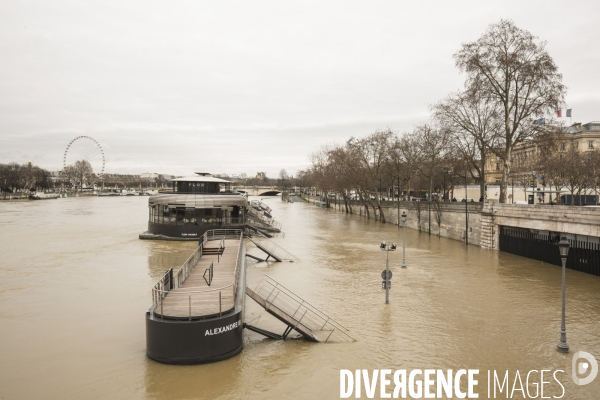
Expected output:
(76, 284)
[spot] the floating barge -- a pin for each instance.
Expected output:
(200, 203)
(197, 312)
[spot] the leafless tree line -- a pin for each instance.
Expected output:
(511, 87)
(18, 177)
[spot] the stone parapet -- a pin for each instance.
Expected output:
(486, 218)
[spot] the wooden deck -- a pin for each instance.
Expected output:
(195, 298)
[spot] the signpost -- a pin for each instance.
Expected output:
(386, 274)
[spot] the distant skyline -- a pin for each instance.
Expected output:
(240, 87)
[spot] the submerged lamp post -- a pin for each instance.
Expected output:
(404, 240)
(387, 274)
(563, 247)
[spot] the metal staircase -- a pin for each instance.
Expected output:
(259, 217)
(273, 250)
(296, 313)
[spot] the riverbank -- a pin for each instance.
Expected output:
(25, 196)
(480, 223)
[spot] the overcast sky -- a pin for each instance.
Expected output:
(246, 86)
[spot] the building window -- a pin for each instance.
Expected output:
(497, 166)
(562, 146)
(590, 144)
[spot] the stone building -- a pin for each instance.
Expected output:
(526, 155)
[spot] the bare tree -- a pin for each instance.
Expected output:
(592, 165)
(475, 124)
(370, 155)
(79, 174)
(509, 66)
(572, 171)
(284, 181)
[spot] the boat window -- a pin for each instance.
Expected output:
(190, 217)
(172, 216)
(180, 215)
(164, 215)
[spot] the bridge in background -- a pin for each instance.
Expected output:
(259, 190)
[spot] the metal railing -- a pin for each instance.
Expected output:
(323, 327)
(269, 224)
(205, 221)
(161, 287)
(274, 248)
(184, 271)
(201, 302)
(210, 274)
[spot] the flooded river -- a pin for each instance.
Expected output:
(76, 284)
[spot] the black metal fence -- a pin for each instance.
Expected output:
(583, 256)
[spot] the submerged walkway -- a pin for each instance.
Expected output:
(195, 298)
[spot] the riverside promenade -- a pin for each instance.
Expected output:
(521, 229)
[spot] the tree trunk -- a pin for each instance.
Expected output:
(346, 203)
(482, 175)
(505, 174)
(362, 200)
(381, 214)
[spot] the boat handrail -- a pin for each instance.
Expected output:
(170, 280)
(196, 291)
(293, 295)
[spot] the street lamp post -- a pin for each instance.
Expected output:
(404, 240)
(466, 208)
(387, 273)
(563, 247)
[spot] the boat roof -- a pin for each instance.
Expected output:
(202, 177)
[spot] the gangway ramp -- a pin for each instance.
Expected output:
(256, 231)
(296, 313)
(271, 226)
(273, 250)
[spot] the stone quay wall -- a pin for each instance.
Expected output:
(486, 218)
(575, 220)
(451, 216)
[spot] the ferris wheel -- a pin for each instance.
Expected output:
(85, 148)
